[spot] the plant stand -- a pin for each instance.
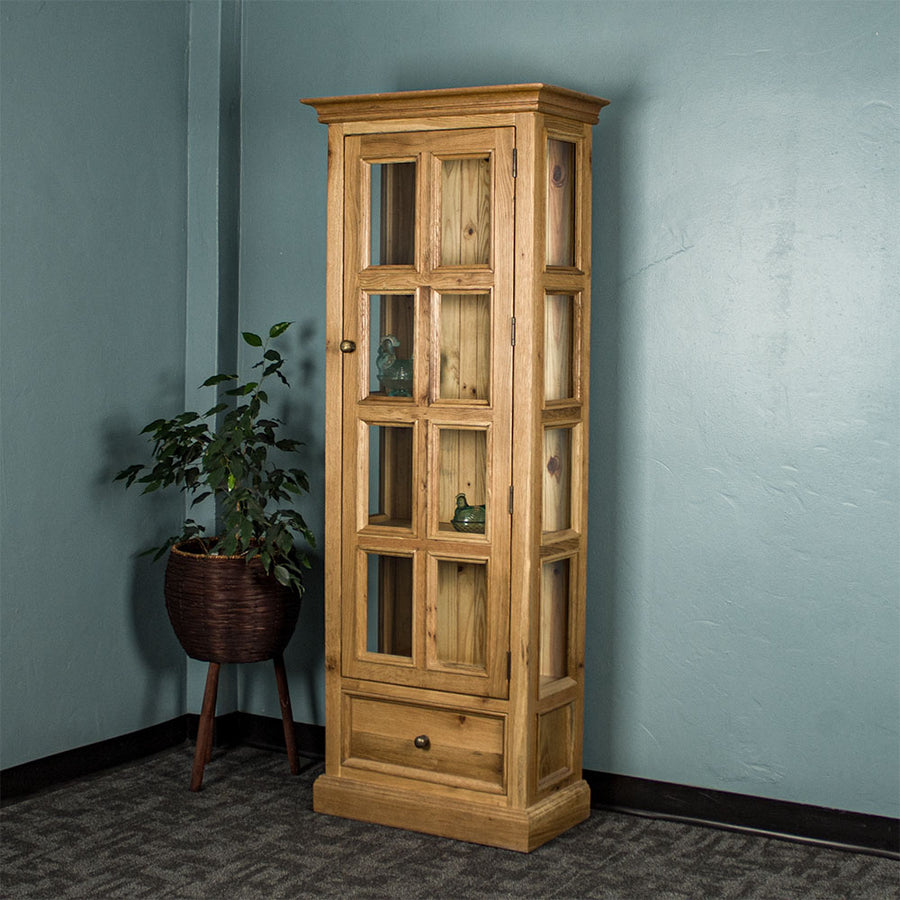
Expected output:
(203, 750)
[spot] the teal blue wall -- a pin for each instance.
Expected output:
(743, 620)
(743, 579)
(93, 346)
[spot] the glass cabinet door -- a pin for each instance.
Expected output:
(427, 408)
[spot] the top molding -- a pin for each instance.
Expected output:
(504, 98)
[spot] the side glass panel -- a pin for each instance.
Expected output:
(557, 492)
(554, 745)
(560, 203)
(392, 214)
(462, 479)
(555, 619)
(465, 337)
(466, 211)
(461, 612)
(559, 327)
(389, 590)
(390, 475)
(391, 330)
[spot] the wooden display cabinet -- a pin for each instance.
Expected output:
(456, 462)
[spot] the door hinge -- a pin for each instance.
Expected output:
(510, 499)
(515, 162)
(512, 331)
(508, 665)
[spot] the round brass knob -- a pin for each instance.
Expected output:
(422, 742)
(347, 346)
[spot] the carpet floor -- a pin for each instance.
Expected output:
(137, 832)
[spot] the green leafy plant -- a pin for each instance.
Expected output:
(232, 463)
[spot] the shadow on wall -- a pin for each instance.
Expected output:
(159, 517)
(302, 409)
(161, 514)
(305, 655)
(159, 648)
(606, 424)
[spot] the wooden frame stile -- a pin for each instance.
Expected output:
(584, 197)
(334, 407)
(526, 461)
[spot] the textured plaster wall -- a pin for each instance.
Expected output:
(743, 576)
(93, 270)
(743, 619)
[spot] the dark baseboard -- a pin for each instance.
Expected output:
(30, 778)
(261, 731)
(834, 828)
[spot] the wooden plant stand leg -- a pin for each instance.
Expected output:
(203, 750)
(287, 717)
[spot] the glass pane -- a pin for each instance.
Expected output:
(560, 203)
(462, 478)
(391, 329)
(557, 500)
(465, 211)
(390, 475)
(555, 619)
(465, 346)
(393, 214)
(461, 607)
(558, 346)
(389, 590)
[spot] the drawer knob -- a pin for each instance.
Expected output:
(347, 346)
(422, 742)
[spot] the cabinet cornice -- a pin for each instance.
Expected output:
(508, 98)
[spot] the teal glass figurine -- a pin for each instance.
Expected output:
(469, 519)
(394, 375)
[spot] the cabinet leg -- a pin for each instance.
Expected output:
(203, 750)
(287, 716)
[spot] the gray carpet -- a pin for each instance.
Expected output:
(137, 832)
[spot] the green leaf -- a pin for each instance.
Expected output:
(153, 426)
(254, 340)
(281, 574)
(279, 329)
(218, 379)
(130, 474)
(243, 390)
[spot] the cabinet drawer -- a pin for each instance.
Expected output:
(451, 746)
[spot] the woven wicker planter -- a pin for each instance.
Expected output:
(225, 610)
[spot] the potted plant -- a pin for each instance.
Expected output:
(233, 596)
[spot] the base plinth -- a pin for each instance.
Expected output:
(445, 816)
